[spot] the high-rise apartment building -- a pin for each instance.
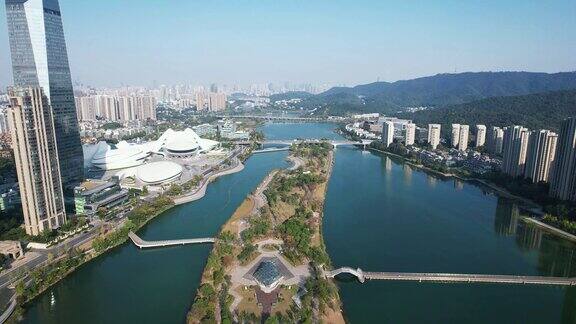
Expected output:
(3, 120)
(463, 140)
(409, 134)
(540, 155)
(496, 140)
(515, 148)
(434, 135)
(216, 101)
(387, 133)
(563, 177)
(34, 143)
(201, 102)
(116, 108)
(480, 135)
(455, 135)
(39, 59)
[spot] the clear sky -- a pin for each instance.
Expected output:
(114, 42)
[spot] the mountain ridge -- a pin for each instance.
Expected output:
(439, 90)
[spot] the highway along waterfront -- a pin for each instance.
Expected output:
(130, 285)
(383, 215)
(380, 215)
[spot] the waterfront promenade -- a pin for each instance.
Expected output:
(237, 166)
(164, 243)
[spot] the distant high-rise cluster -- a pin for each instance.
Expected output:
(116, 108)
(542, 156)
(212, 101)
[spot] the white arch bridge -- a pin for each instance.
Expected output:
(362, 276)
(154, 244)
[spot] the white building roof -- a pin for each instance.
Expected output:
(158, 172)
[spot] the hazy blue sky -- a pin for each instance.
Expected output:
(111, 42)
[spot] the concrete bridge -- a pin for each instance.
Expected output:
(284, 118)
(362, 276)
(335, 143)
(152, 244)
(274, 149)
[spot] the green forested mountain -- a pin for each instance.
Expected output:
(535, 111)
(290, 95)
(439, 90)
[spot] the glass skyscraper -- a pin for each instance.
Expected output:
(39, 58)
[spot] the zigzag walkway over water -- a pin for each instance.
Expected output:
(451, 277)
(153, 244)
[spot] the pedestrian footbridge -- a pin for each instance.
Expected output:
(362, 276)
(154, 244)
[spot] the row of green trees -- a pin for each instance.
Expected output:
(136, 219)
(43, 277)
(563, 224)
(215, 289)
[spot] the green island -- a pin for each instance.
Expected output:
(266, 265)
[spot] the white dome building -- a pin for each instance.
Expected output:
(184, 143)
(125, 156)
(157, 173)
(180, 144)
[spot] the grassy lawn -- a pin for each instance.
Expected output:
(248, 303)
(284, 299)
(242, 212)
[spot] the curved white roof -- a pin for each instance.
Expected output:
(127, 155)
(158, 172)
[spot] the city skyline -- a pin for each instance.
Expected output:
(252, 42)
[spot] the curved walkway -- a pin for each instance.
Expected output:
(152, 244)
(8, 310)
(201, 192)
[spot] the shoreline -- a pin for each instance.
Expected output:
(525, 203)
(201, 191)
(91, 255)
(482, 182)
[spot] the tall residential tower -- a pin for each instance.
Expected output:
(515, 148)
(563, 177)
(36, 157)
(39, 59)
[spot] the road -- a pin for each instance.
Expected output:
(7, 277)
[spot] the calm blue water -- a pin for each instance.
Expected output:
(386, 216)
(284, 131)
(380, 215)
(129, 285)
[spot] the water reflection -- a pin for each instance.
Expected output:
(506, 218)
(556, 256)
(432, 180)
(458, 184)
(407, 174)
(387, 164)
(569, 307)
